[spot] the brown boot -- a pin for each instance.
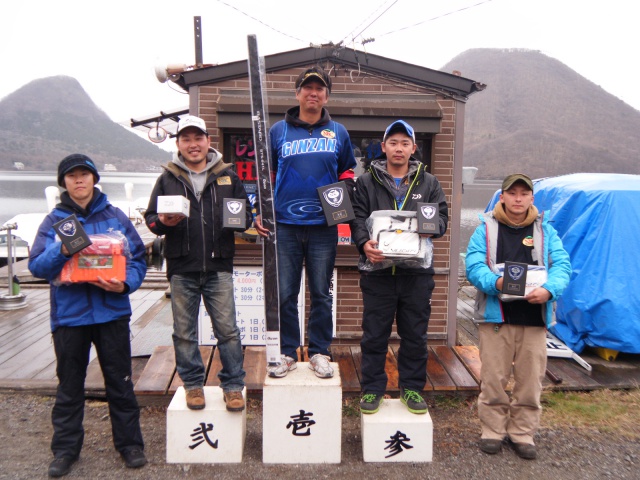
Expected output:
(234, 400)
(525, 450)
(490, 445)
(195, 399)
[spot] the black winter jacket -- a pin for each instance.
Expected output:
(198, 243)
(372, 193)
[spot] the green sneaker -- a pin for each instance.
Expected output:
(414, 401)
(370, 402)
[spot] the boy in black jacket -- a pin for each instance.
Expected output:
(398, 182)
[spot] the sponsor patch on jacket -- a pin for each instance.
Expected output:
(528, 241)
(328, 133)
(226, 180)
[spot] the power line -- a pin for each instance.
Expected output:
(435, 18)
(260, 21)
(361, 23)
(371, 15)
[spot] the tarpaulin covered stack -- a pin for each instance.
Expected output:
(597, 215)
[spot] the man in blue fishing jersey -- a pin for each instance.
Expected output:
(308, 150)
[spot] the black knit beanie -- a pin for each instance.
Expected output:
(74, 160)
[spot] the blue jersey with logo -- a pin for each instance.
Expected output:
(306, 158)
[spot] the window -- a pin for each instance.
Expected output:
(366, 147)
(239, 150)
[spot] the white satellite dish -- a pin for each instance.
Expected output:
(157, 134)
(161, 73)
(169, 72)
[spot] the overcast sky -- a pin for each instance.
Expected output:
(112, 47)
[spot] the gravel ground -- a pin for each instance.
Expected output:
(563, 453)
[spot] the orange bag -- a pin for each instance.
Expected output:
(104, 258)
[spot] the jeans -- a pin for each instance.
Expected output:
(72, 345)
(407, 298)
(216, 288)
(316, 246)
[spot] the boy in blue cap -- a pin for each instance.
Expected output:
(397, 182)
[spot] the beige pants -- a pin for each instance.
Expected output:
(525, 350)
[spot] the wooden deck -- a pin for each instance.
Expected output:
(27, 359)
(622, 373)
(448, 371)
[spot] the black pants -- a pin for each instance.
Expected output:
(72, 346)
(408, 299)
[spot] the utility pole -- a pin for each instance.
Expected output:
(197, 34)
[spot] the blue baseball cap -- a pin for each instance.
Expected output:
(399, 126)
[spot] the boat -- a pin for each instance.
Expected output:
(22, 237)
(27, 224)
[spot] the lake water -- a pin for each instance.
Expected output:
(23, 192)
(474, 201)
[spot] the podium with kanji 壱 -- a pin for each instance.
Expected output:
(302, 417)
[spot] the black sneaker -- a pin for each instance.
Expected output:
(134, 458)
(370, 402)
(60, 466)
(414, 401)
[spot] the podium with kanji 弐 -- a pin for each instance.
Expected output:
(210, 435)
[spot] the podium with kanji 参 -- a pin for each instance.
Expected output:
(394, 434)
(302, 417)
(210, 435)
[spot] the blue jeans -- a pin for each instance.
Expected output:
(316, 246)
(216, 288)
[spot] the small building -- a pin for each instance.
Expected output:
(368, 93)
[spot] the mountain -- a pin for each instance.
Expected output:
(49, 118)
(536, 115)
(540, 117)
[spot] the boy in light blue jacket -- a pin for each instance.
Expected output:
(513, 333)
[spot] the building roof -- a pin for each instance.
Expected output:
(445, 83)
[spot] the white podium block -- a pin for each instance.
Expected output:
(394, 434)
(210, 435)
(302, 417)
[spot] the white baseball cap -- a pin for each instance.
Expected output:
(191, 121)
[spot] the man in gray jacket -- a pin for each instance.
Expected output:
(199, 255)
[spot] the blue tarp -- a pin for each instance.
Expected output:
(597, 216)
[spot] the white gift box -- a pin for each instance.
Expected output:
(173, 204)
